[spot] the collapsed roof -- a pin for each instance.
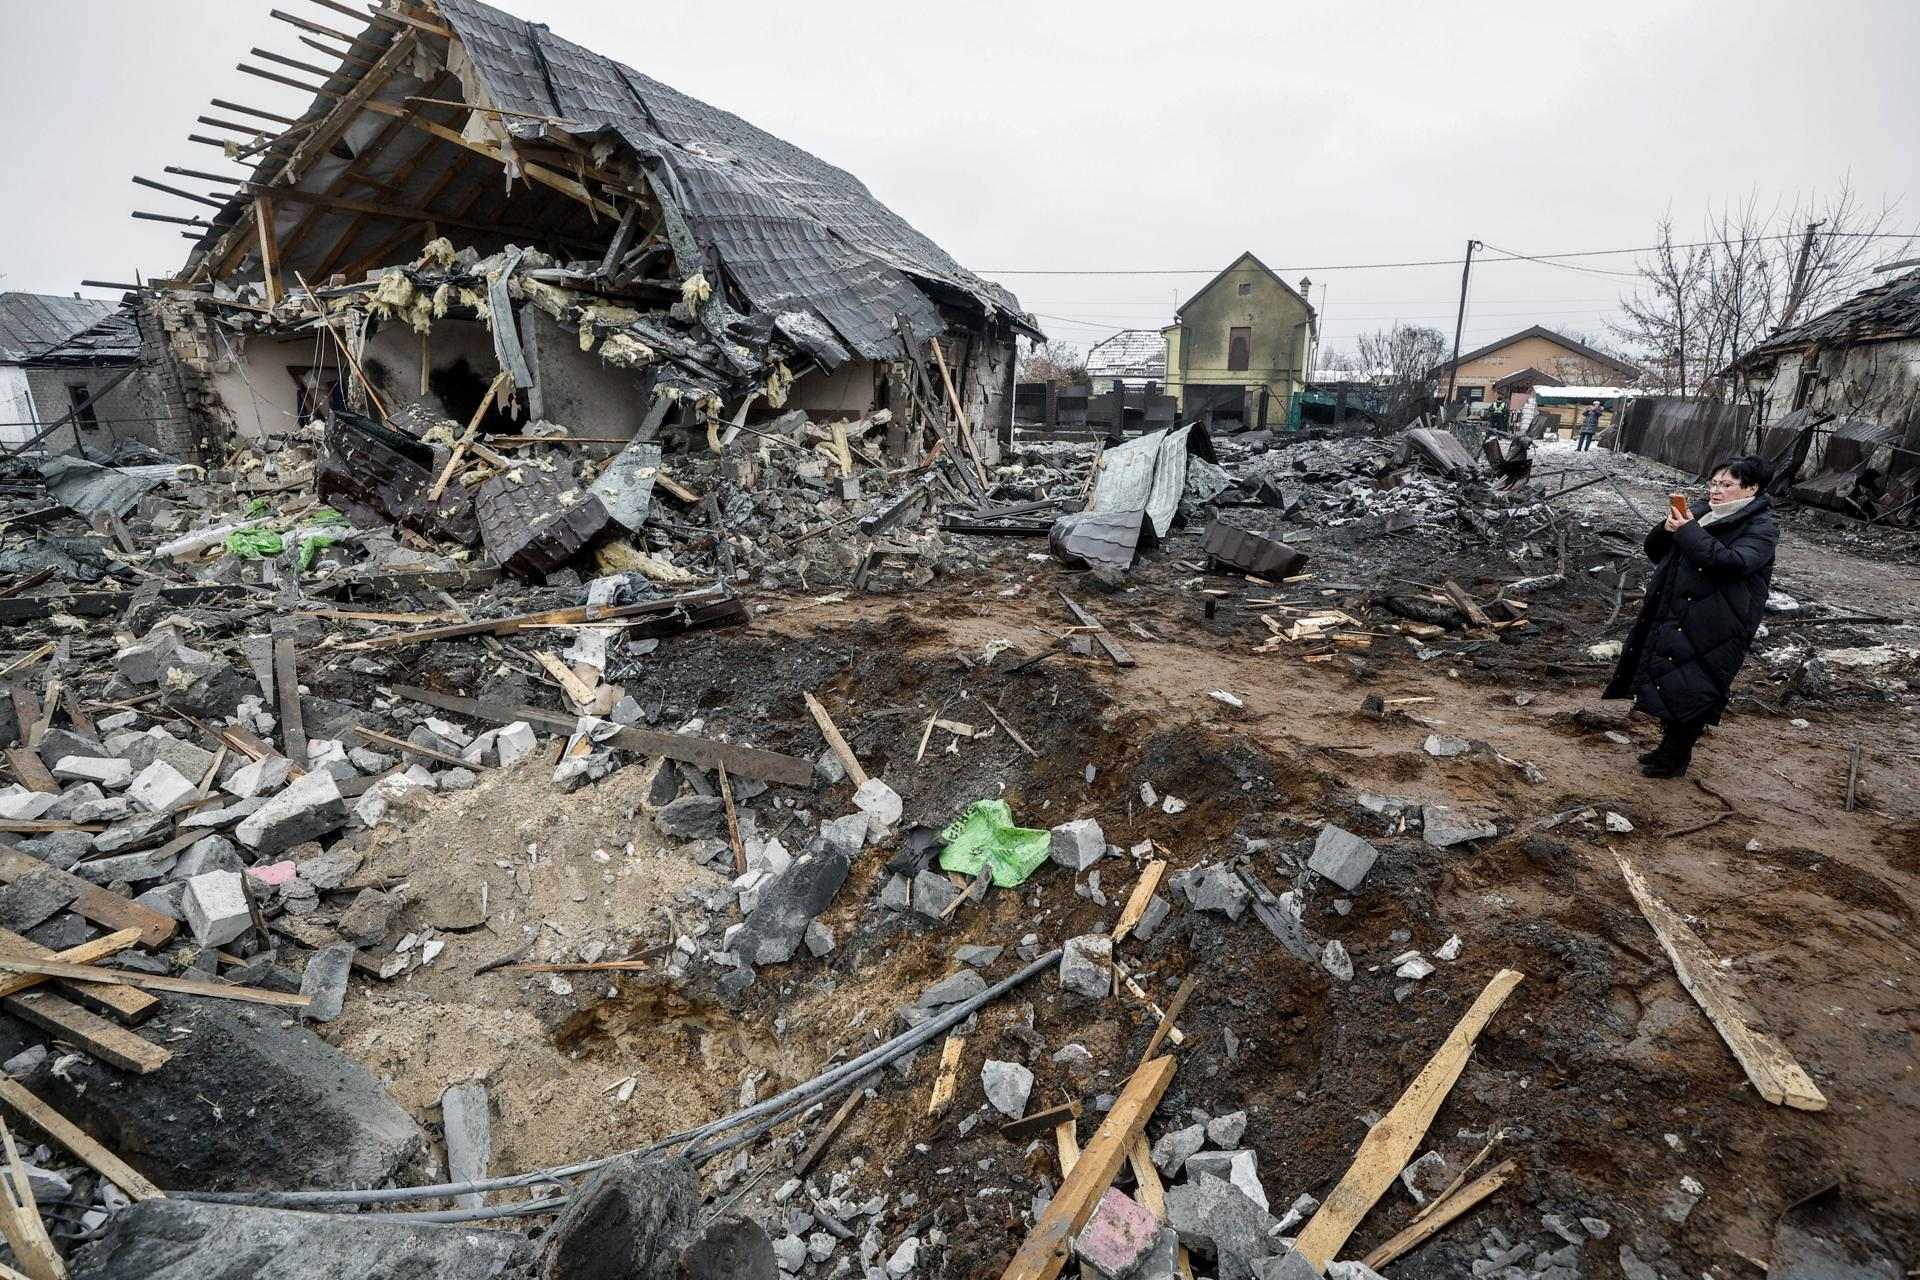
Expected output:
(635, 190)
(31, 324)
(1887, 312)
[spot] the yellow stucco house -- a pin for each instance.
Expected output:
(1537, 355)
(1242, 346)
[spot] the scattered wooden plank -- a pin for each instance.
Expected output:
(1390, 1144)
(943, 1084)
(1166, 1027)
(44, 825)
(1035, 1123)
(1472, 612)
(1771, 1069)
(1439, 1214)
(745, 762)
(1044, 1252)
(1011, 733)
(1115, 650)
(597, 966)
(102, 906)
(20, 1219)
(1143, 890)
(32, 771)
(377, 738)
(286, 683)
(70, 1136)
(152, 981)
(830, 1130)
(1152, 1195)
(831, 732)
(575, 688)
(30, 658)
(575, 615)
(112, 1044)
(1067, 1144)
(126, 1002)
(1138, 992)
(733, 824)
(501, 379)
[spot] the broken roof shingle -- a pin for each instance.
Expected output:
(1886, 311)
(33, 323)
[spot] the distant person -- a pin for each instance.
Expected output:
(1712, 568)
(1589, 423)
(1497, 415)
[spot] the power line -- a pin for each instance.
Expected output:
(1547, 259)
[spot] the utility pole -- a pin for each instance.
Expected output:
(1459, 323)
(1797, 291)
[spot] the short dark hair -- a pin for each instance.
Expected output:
(1750, 469)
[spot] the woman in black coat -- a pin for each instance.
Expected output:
(1711, 574)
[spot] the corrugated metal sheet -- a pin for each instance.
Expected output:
(1149, 472)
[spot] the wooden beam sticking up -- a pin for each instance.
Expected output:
(286, 687)
(245, 110)
(20, 1219)
(319, 30)
(319, 91)
(534, 172)
(269, 248)
(1044, 1252)
(1770, 1068)
(201, 174)
(501, 381)
(1389, 1145)
(831, 732)
(331, 52)
(176, 191)
(1137, 901)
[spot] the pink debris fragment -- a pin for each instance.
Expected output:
(1119, 1233)
(274, 873)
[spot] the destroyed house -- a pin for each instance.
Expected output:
(473, 204)
(62, 383)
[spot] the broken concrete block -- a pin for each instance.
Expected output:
(1342, 857)
(818, 939)
(631, 1218)
(466, 1117)
(1152, 918)
(22, 805)
(1237, 1167)
(133, 833)
(1224, 1131)
(61, 807)
(130, 867)
(209, 853)
(845, 836)
(325, 981)
(977, 957)
(458, 780)
(1086, 965)
(108, 772)
(387, 797)
(514, 743)
(958, 986)
(185, 1240)
(1333, 958)
(933, 893)
(1443, 745)
(787, 905)
(1077, 845)
(35, 898)
(880, 803)
(215, 904)
(1214, 888)
(897, 893)
(369, 919)
(1118, 1236)
(692, 816)
(1288, 1265)
(1217, 1217)
(259, 778)
(157, 744)
(1171, 1152)
(1008, 1085)
(159, 787)
(1443, 827)
(306, 810)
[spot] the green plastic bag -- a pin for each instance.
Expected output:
(251, 544)
(985, 834)
(257, 508)
(310, 547)
(325, 515)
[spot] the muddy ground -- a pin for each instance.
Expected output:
(1601, 1076)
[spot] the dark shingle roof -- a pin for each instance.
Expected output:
(1890, 310)
(794, 233)
(31, 323)
(114, 339)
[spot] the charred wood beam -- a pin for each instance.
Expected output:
(167, 217)
(251, 130)
(363, 15)
(200, 174)
(245, 110)
(317, 29)
(534, 172)
(175, 191)
(323, 72)
(316, 90)
(418, 24)
(311, 43)
(376, 209)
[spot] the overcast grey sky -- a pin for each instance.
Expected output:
(1113, 136)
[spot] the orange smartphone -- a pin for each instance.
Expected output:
(1677, 502)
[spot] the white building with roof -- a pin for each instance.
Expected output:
(1131, 358)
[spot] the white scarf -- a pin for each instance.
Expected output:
(1725, 511)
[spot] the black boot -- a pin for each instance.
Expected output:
(1674, 755)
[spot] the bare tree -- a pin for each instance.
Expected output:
(1054, 362)
(1401, 362)
(1702, 305)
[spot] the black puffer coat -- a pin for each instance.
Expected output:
(1705, 601)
